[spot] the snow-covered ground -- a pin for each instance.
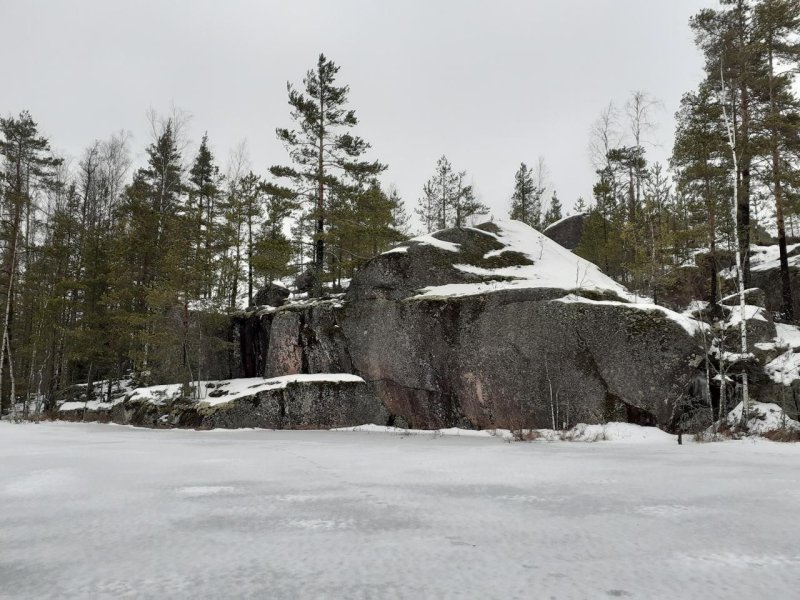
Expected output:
(101, 511)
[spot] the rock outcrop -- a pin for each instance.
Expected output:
(293, 402)
(494, 326)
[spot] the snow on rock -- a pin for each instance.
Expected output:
(397, 250)
(751, 312)
(317, 401)
(553, 266)
(89, 405)
(104, 400)
(690, 325)
(426, 240)
(220, 392)
(785, 368)
(763, 418)
(555, 224)
(788, 335)
(619, 432)
(765, 258)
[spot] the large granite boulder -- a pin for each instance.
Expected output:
(568, 231)
(494, 326)
(274, 294)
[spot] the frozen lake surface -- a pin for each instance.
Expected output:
(102, 511)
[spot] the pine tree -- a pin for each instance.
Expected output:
(28, 164)
(726, 38)
(446, 201)
(436, 204)
(526, 200)
(465, 204)
(367, 223)
(777, 23)
(325, 154)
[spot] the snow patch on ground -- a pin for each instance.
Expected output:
(619, 432)
(609, 432)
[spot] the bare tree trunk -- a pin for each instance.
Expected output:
(11, 377)
(739, 265)
(38, 408)
(7, 315)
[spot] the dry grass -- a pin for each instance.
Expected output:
(783, 435)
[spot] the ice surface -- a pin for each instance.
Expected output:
(100, 511)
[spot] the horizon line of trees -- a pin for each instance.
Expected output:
(108, 270)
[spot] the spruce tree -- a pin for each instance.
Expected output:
(526, 200)
(203, 206)
(554, 211)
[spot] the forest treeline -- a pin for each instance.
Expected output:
(109, 270)
(737, 139)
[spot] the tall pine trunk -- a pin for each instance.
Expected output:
(786, 282)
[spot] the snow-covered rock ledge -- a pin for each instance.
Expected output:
(318, 401)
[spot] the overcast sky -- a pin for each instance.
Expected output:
(489, 84)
